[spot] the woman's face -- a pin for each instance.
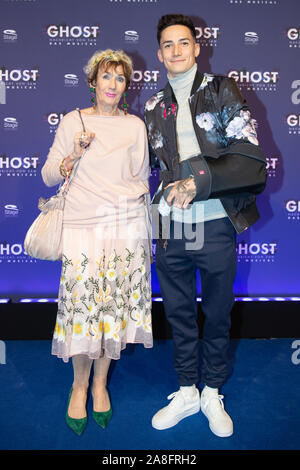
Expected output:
(110, 86)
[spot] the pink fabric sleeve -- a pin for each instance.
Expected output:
(62, 146)
(142, 169)
(141, 166)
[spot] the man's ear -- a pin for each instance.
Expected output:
(159, 55)
(197, 49)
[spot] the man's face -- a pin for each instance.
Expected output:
(178, 49)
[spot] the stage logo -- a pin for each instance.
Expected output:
(293, 123)
(11, 210)
(76, 35)
(14, 253)
(251, 38)
(257, 80)
(19, 79)
(131, 37)
(293, 36)
(10, 36)
(144, 80)
(256, 252)
(71, 80)
(19, 166)
(208, 36)
(272, 166)
(10, 124)
(292, 207)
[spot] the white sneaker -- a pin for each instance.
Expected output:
(186, 402)
(212, 406)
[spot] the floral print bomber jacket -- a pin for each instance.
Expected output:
(231, 165)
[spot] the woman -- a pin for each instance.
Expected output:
(105, 287)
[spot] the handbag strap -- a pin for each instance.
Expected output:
(64, 187)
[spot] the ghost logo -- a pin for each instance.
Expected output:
(258, 252)
(14, 253)
(20, 79)
(18, 166)
(144, 79)
(272, 164)
(72, 35)
(293, 209)
(54, 119)
(293, 122)
(256, 80)
(293, 35)
(207, 35)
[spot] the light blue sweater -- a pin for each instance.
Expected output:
(188, 146)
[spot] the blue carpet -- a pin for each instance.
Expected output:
(262, 396)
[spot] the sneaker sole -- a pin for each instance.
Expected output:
(217, 433)
(176, 420)
(228, 434)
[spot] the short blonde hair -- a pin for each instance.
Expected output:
(106, 59)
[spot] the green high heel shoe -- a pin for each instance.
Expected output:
(77, 425)
(102, 417)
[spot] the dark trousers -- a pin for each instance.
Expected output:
(176, 269)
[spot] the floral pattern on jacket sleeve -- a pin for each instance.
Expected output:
(155, 136)
(242, 127)
(152, 102)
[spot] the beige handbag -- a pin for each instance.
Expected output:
(44, 237)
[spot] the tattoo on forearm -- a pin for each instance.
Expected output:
(183, 187)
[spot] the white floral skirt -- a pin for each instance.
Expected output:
(104, 295)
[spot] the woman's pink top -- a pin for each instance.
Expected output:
(112, 176)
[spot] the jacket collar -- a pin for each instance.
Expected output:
(169, 95)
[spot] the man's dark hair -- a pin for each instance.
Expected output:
(173, 19)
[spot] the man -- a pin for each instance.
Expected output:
(203, 137)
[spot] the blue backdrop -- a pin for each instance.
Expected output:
(45, 44)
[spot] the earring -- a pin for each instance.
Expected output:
(125, 106)
(93, 100)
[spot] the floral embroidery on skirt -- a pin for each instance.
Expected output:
(104, 296)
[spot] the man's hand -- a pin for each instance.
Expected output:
(182, 192)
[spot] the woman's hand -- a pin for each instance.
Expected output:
(81, 141)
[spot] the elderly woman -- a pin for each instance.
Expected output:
(105, 286)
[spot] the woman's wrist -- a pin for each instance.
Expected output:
(70, 161)
(63, 169)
